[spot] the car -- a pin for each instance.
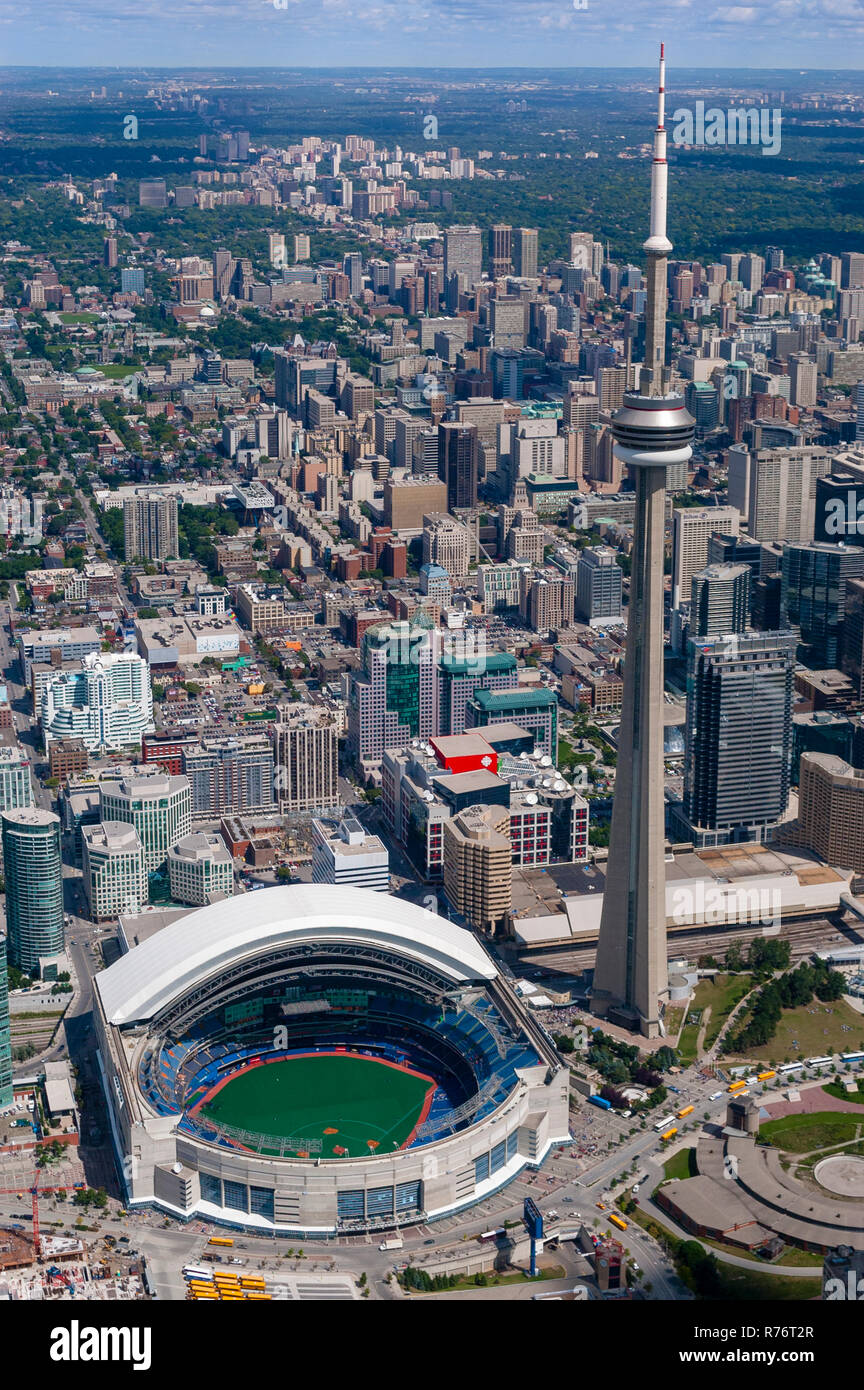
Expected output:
(635, 1189)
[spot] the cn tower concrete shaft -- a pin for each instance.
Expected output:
(631, 970)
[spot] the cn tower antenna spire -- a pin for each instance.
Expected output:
(658, 242)
(654, 377)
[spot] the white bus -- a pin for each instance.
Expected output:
(664, 1123)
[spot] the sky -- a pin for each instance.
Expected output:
(777, 34)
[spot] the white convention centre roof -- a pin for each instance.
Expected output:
(216, 939)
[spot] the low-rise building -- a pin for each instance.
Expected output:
(347, 855)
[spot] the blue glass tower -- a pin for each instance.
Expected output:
(34, 886)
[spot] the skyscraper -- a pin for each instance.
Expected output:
(692, 529)
(651, 431)
(352, 266)
(739, 735)
(458, 463)
(720, 600)
(525, 252)
(150, 527)
(500, 250)
(463, 254)
(813, 596)
(394, 696)
(34, 886)
(307, 756)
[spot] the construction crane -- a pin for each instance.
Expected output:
(34, 1191)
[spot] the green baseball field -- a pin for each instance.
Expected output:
(353, 1106)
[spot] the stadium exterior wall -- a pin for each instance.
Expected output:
(165, 1168)
(306, 1193)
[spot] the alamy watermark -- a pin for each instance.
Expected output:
(130, 127)
(845, 518)
(850, 1289)
(718, 903)
(743, 125)
(21, 517)
(423, 646)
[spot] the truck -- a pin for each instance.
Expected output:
(599, 1100)
(391, 1243)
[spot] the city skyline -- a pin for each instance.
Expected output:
(233, 31)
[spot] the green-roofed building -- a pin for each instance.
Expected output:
(459, 678)
(536, 710)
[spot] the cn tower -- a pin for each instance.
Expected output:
(651, 431)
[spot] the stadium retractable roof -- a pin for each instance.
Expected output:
(216, 939)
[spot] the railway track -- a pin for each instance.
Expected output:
(805, 936)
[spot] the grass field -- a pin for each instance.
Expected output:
(115, 371)
(78, 318)
(801, 1134)
(355, 1106)
(813, 1030)
(720, 994)
(681, 1165)
(836, 1090)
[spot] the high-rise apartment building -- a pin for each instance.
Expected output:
(302, 248)
(230, 776)
(831, 810)
(34, 886)
(150, 528)
(478, 867)
(113, 870)
(447, 543)
(152, 193)
(352, 266)
(107, 704)
(16, 787)
(307, 760)
(752, 272)
(159, 807)
(852, 270)
(7, 1094)
(546, 600)
(803, 380)
(463, 254)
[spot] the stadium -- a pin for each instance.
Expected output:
(315, 1060)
